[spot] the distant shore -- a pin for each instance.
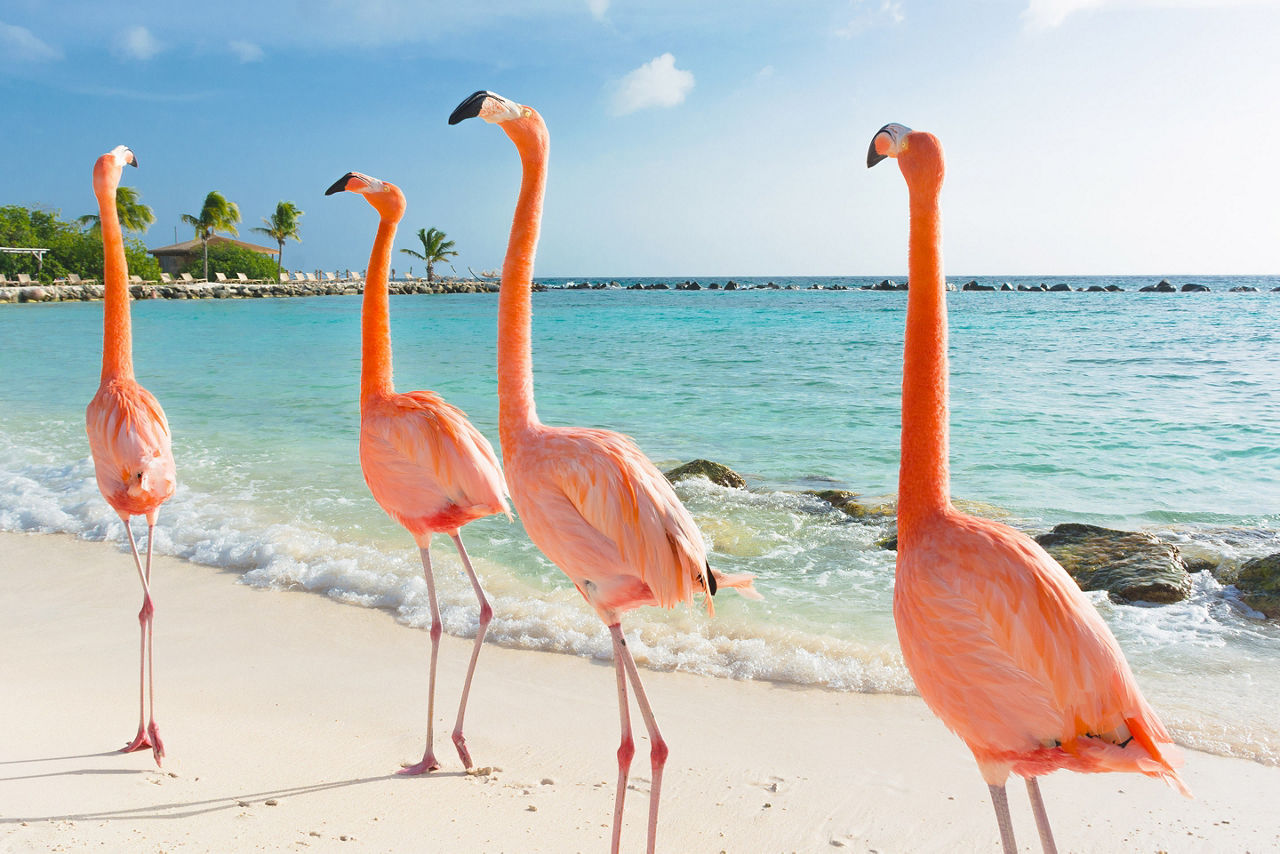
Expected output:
(251, 290)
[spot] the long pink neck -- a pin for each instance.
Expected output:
(375, 317)
(117, 334)
(924, 486)
(516, 412)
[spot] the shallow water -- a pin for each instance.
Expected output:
(1129, 410)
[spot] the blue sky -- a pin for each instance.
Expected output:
(688, 138)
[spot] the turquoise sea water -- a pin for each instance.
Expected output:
(1152, 411)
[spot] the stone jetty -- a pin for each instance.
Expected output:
(238, 290)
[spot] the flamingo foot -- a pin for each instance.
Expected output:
(427, 765)
(460, 742)
(139, 742)
(157, 746)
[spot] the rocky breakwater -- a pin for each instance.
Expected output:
(237, 290)
(1258, 582)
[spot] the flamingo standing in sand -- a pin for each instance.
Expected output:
(424, 462)
(590, 499)
(128, 433)
(1001, 642)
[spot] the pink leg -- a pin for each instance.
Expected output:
(1000, 800)
(429, 762)
(627, 748)
(140, 740)
(658, 747)
(1042, 818)
(153, 732)
(486, 614)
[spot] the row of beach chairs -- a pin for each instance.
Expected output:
(351, 277)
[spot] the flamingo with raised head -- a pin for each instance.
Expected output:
(590, 499)
(424, 462)
(1002, 644)
(128, 433)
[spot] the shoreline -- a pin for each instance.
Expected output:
(251, 290)
(310, 703)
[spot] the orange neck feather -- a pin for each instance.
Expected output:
(117, 334)
(375, 316)
(924, 486)
(516, 410)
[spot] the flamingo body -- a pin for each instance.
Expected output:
(602, 512)
(131, 447)
(1010, 654)
(426, 465)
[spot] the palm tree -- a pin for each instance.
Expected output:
(134, 215)
(434, 248)
(282, 225)
(218, 214)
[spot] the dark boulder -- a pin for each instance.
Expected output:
(974, 286)
(1161, 287)
(1192, 288)
(847, 503)
(1130, 565)
(1114, 289)
(1060, 287)
(1259, 584)
(1096, 289)
(1244, 289)
(714, 472)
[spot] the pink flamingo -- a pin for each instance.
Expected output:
(424, 462)
(128, 433)
(1003, 646)
(590, 499)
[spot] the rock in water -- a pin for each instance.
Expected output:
(714, 472)
(1130, 565)
(847, 503)
(1259, 584)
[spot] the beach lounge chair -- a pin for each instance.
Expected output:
(5, 283)
(284, 278)
(24, 279)
(73, 279)
(221, 277)
(311, 279)
(331, 277)
(166, 279)
(245, 280)
(188, 279)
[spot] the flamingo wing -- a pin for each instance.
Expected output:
(598, 507)
(131, 446)
(427, 465)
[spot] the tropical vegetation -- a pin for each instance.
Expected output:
(133, 214)
(435, 248)
(72, 247)
(282, 226)
(217, 214)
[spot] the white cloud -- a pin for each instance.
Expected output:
(598, 8)
(765, 73)
(1047, 14)
(657, 83)
(19, 43)
(137, 43)
(866, 14)
(247, 51)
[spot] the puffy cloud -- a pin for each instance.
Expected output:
(19, 43)
(598, 8)
(137, 43)
(866, 14)
(247, 51)
(657, 83)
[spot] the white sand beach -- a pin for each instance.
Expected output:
(286, 714)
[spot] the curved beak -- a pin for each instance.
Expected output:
(133, 158)
(489, 106)
(339, 185)
(886, 143)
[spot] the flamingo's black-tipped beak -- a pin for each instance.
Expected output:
(339, 185)
(470, 107)
(886, 143)
(133, 159)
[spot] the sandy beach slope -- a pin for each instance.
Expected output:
(285, 715)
